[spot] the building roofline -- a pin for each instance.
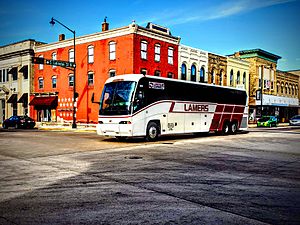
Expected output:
(260, 52)
(18, 42)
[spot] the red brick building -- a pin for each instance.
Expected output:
(130, 49)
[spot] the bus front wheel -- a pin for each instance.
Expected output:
(152, 131)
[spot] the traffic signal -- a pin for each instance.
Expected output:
(38, 60)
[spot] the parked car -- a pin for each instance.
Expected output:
(267, 121)
(295, 120)
(18, 122)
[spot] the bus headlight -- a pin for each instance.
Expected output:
(100, 122)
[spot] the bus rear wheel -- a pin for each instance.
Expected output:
(225, 130)
(233, 128)
(152, 131)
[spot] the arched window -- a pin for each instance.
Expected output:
(202, 73)
(71, 80)
(296, 91)
(231, 78)
(112, 50)
(157, 53)
(282, 88)
(54, 81)
(41, 83)
(193, 73)
(183, 71)
(238, 78)
(244, 78)
(221, 78)
(54, 57)
(293, 90)
(278, 88)
(90, 78)
(212, 79)
(71, 55)
(286, 89)
(91, 54)
(144, 46)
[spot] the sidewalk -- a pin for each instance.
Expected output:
(66, 127)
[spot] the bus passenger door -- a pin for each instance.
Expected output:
(139, 114)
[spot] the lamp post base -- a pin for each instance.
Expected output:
(74, 125)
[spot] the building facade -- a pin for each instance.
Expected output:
(217, 68)
(266, 95)
(130, 49)
(16, 76)
(238, 73)
(287, 88)
(193, 64)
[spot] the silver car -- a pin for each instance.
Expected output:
(295, 120)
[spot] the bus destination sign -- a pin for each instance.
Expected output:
(157, 85)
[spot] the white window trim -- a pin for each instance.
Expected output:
(90, 54)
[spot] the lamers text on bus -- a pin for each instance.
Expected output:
(195, 108)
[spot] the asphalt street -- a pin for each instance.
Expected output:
(79, 178)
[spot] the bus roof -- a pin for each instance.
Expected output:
(137, 77)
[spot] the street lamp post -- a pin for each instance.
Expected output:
(52, 22)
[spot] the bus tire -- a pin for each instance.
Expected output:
(225, 129)
(233, 128)
(152, 132)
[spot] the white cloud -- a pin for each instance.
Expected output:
(221, 11)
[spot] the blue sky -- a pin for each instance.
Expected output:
(219, 26)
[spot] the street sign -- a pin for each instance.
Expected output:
(60, 63)
(65, 64)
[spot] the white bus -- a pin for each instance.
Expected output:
(136, 105)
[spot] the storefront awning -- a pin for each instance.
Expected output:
(13, 98)
(23, 99)
(49, 101)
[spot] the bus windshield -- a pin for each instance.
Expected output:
(116, 98)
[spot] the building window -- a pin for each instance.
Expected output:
(144, 50)
(202, 73)
(112, 73)
(41, 83)
(282, 89)
(221, 77)
(293, 90)
(71, 55)
(157, 73)
(170, 75)
(238, 78)
(157, 53)
(54, 82)
(231, 78)
(212, 81)
(244, 78)
(193, 73)
(90, 78)
(143, 71)
(91, 54)
(71, 80)
(183, 71)
(112, 50)
(41, 66)
(54, 57)
(170, 55)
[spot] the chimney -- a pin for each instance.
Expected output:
(61, 37)
(105, 25)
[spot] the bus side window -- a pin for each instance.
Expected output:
(138, 100)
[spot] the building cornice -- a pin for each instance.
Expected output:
(109, 34)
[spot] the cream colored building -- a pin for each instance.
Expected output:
(238, 73)
(15, 78)
(192, 64)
